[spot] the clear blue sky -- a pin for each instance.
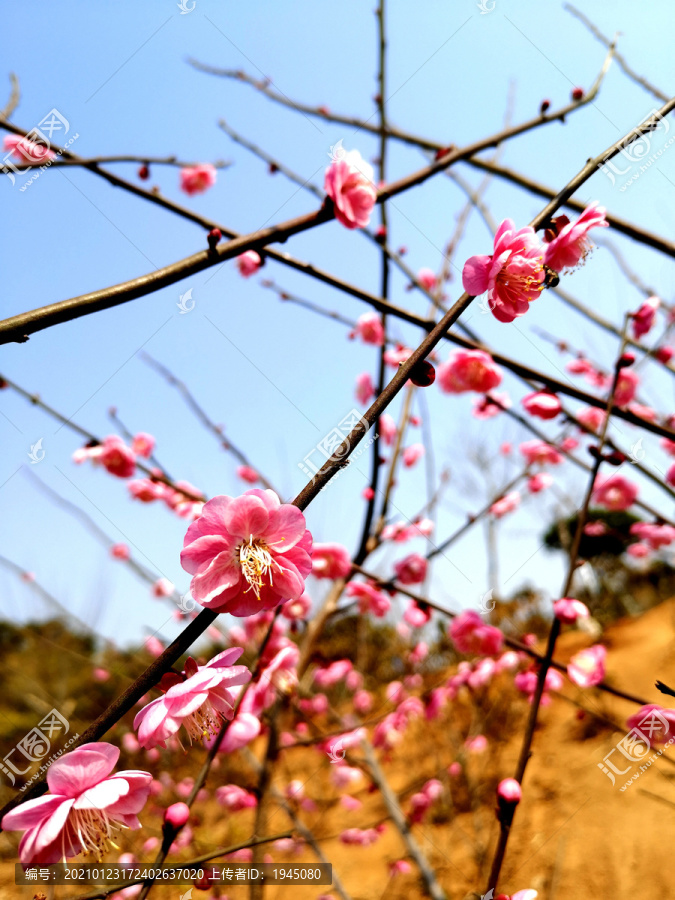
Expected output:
(277, 377)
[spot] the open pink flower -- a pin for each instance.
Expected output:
(199, 700)
(571, 244)
(656, 536)
(644, 318)
(84, 808)
(542, 404)
(537, 451)
(469, 370)
(369, 329)
(506, 504)
(117, 458)
(593, 418)
(247, 553)
(143, 444)
(349, 184)
(539, 482)
(626, 387)
(248, 263)
(365, 389)
(471, 635)
(330, 561)
(296, 609)
(412, 569)
(615, 493)
(587, 667)
(27, 151)
(370, 598)
(513, 275)
(197, 179)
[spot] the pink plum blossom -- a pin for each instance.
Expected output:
(162, 588)
(369, 329)
(593, 418)
(25, 150)
(643, 319)
(513, 275)
(506, 504)
(648, 717)
(571, 245)
(537, 451)
(246, 473)
(412, 569)
(365, 389)
(120, 551)
(143, 444)
(370, 598)
(427, 279)
(587, 667)
(542, 404)
(412, 454)
(469, 370)
(248, 263)
(539, 482)
(296, 609)
(471, 635)
(247, 553)
(116, 457)
(615, 493)
(330, 561)
(655, 535)
(568, 610)
(197, 179)
(626, 387)
(84, 808)
(199, 700)
(349, 184)
(387, 429)
(235, 798)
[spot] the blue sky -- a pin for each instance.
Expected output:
(277, 377)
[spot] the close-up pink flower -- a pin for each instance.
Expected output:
(330, 560)
(85, 809)
(570, 245)
(471, 635)
(587, 667)
(349, 184)
(369, 329)
(197, 179)
(199, 699)
(412, 569)
(513, 275)
(468, 370)
(614, 492)
(247, 553)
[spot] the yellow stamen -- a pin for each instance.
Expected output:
(256, 564)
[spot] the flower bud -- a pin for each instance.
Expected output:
(544, 107)
(144, 173)
(423, 374)
(177, 815)
(213, 237)
(577, 93)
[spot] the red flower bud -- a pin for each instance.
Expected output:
(577, 93)
(144, 173)
(544, 106)
(626, 360)
(423, 374)
(213, 237)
